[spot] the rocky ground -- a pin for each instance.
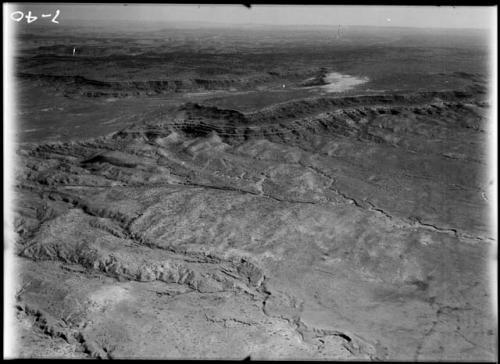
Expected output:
(340, 227)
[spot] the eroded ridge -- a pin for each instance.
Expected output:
(337, 228)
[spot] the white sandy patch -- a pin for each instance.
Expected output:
(108, 296)
(338, 82)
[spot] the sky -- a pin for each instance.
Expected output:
(393, 16)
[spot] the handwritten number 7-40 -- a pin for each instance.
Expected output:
(19, 15)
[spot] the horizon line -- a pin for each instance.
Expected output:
(206, 24)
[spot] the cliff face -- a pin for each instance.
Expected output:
(94, 88)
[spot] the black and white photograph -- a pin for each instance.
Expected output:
(250, 182)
